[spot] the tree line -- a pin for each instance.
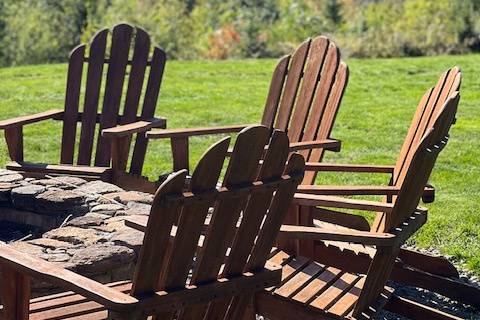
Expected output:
(42, 31)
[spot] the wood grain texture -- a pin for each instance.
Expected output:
(14, 139)
(294, 76)
(152, 91)
(314, 64)
(92, 96)
(120, 48)
(275, 92)
(72, 99)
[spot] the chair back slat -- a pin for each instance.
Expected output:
(258, 204)
(314, 64)
(275, 92)
(420, 167)
(325, 125)
(72, 98)
(240, 210)
(427, 110)
(294, 76)
(141, 51)
(159, 58)
(92, 96)
(157, 236)
(120, 48)
(124, 87)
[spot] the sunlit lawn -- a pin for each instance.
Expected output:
(380, 101)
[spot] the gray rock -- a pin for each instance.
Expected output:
(64, 182)
(24, 197)
(97, 215)
(56, 257)
(4, 172)
(50, 243)
(128, 237)
(129, 196)
(76, 235)
(99, 187)
(11, 177)
(86, 221)
(107, 209)
(99, 258)
(60, 202)
(137, 208)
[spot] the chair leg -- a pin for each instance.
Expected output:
(15, 294)
(120, 148)
(14, 139)
(180, 153)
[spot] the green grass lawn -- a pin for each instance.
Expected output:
(377, 109)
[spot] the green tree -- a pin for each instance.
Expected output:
(39, 31)
(333, 11)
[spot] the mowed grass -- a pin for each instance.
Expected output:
(379, 103)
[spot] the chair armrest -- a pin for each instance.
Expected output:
(320, 166)
(349, 190)
(315, 233)
(305, 199)
(327, 144)
(23, 120)
(66, 279)
(190, 132)
(135, 127)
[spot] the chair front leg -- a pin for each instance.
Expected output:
(120, 148)
(15, 294)
(14, 139)
(180, 153)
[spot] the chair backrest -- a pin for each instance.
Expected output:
(246, 215)
(125, 50)
(305, 92)
(425, 153)
(420, 165)
(429, 107)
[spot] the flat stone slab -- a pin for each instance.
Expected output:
(99, 187)
(61, 182)
(100, 257)
(11, 177)
(60, 202)
(76, 235)
(130, 196)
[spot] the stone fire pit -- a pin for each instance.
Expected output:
(76, 224)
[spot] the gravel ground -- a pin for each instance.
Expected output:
(435, 300)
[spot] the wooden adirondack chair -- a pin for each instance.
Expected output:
(413, 268)
(305, 92)
(128, 52)
(313, 290)
(173, 244)
(306, 288)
